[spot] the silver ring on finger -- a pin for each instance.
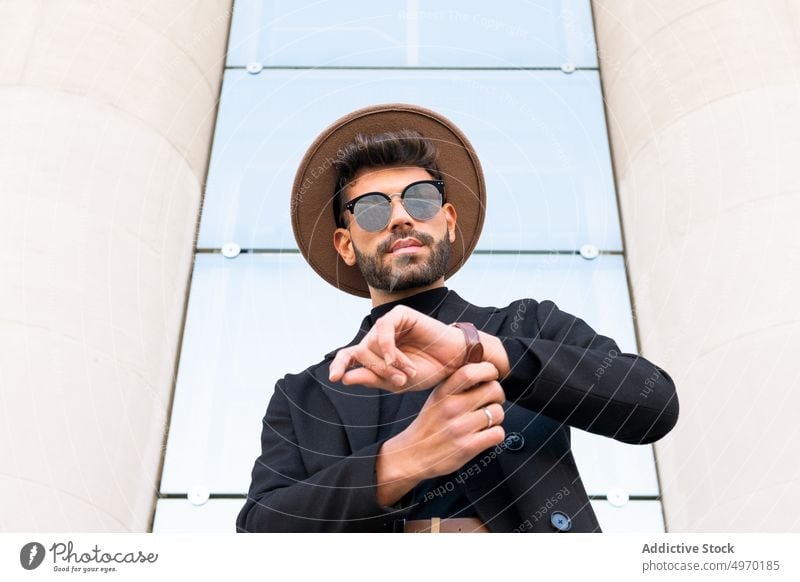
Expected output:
(489, 417)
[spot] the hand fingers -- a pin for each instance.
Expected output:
(482, 395)
(463, 411)
(367, 377)
(339, 365)
(383, 342)
(379, 343)
(466, 377)
(483, 439)
(462, 403)
(486, 417)
(367, 359)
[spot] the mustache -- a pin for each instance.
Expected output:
(386, 246)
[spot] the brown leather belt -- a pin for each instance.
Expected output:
(438, 525)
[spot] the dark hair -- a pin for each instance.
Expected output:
(404, 147)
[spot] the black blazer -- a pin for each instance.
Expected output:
(316, 471)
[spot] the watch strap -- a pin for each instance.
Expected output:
(474, 353)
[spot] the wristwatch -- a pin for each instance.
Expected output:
(474, 353)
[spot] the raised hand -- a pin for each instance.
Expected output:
(460, 418)
(404, 350)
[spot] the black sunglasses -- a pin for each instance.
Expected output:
(422, 200)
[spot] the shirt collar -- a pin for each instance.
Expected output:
(427, 302)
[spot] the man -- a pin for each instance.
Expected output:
(418, 425)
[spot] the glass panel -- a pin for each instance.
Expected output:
(607, 465)
(180, 516)
(633, 517)
(248, 318)
(400, 33)
(594, 290)
(254, 318)
(541, 137)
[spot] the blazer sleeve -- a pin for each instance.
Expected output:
(283, 497)
(562, 368)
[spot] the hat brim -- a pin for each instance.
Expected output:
(315, 183)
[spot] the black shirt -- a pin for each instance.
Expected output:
(442, 496)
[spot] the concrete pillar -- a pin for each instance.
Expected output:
(106, 115)
(703, 103)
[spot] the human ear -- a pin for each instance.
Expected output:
(451, 216)
(344, 246)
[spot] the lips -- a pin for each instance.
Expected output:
(405, 243)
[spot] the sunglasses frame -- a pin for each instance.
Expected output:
(439, 184)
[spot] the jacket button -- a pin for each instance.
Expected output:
(561, 521)
(514, 441)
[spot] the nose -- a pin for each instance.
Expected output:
(399, 216)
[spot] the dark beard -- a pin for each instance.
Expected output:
(408, 272)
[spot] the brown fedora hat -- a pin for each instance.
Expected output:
(315, 184)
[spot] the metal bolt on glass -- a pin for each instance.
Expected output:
(231, 250)
(618, 497)
(589, 252)
(198, 496)
(254, 68)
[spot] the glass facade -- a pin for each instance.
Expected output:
(544, 149)
(402, 33)
(523, 85)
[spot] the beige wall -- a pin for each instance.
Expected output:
(703, 102)
(106, 116)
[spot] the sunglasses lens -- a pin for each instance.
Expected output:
(422, 201)
(372, 212)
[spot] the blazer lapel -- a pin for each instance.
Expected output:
(357, 406)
